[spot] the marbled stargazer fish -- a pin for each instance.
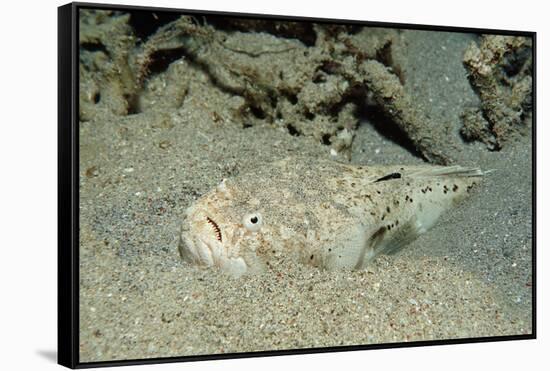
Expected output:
(318, 212)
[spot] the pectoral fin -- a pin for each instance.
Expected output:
(384, 241)
(370, 248)
(401, 237)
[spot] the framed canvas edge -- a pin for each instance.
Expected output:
(67, 234)
(68, 190)
(347, 348)
(534, 191)
(409, 26)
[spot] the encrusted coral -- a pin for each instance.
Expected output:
(500, 70)
(106, 79)
(308, 79)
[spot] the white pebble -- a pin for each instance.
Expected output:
(333, 152)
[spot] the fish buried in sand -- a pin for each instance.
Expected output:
(318, 212)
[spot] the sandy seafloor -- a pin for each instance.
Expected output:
(470, 276)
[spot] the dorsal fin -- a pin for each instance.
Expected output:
(457, 171)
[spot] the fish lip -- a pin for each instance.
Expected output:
(195, 251)
(201, 250)
(206, 253)
(214, 252)
(233, 265)
(211, 253)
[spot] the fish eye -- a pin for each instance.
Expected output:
(252, 222)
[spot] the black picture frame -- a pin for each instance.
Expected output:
(68, 188)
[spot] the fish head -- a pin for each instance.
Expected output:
(216, 232)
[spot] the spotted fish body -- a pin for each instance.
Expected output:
(318, 212)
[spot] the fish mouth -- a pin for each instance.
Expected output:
(202, 244)
(198, 248)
